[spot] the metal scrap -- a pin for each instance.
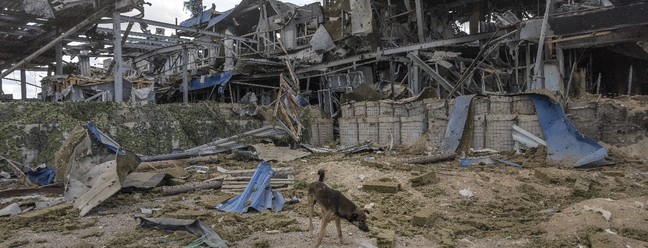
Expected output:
(209, 237)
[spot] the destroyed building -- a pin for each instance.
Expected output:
(532, 114)
(330, 48)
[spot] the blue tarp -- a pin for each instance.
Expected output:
(104, 139)
(216, 80)
(257, 195)
(42, 175)
(564, 143)
(454, 132)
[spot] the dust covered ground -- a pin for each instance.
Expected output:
(534, 206)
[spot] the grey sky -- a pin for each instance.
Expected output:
(161, 10)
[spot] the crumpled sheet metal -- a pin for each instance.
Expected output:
(104, 139)
(565, 145)
(42, 175)
(210, 237)
(143, 180)
(257, 195)
(91, 175)
(456, 125)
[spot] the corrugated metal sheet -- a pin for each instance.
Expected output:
(564, 143)
(457, 123)
(208, 82)
(257, 195)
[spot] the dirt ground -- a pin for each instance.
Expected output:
(534, 206)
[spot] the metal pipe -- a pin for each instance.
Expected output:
(630, 81)
(538, 70)
(23, 83)
(185, 75)
(117, 57)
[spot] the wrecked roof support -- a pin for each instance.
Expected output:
(538, 70)
(117, 58)
(193, 30)
(426, 68)
(91, 19)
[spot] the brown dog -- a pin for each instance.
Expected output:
(334, 206)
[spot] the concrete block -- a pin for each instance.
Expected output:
(428, 178)
(368, 129)
(480, 105)
(348, 131)
(386, 239)
(372, 108)
(522, 105)
(425, 218)
(360, 109)
(437, 108)
(400, 110)
(347, 111)
(389, 131)
(412, 128)
(499, 130)
(382, 186)
(500, 105)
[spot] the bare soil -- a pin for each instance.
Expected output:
(534, 206)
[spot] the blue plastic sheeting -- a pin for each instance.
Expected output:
(257, 195)
(202, 18)
(456, 124)
(104, 139)
(564, 143)
(216, 80)
(42, 175)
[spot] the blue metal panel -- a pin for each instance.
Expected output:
(219, 18)
(564, 143)
(257, 195)
(202, 18)
(43, 175)
(104, 139)
(456, 124)
(220, 79)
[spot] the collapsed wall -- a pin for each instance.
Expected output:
(33, 132)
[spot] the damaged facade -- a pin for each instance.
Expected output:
(330, 48)
(415, 55)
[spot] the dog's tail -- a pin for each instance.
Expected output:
(321, 175)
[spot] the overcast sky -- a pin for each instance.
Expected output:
(161, 10)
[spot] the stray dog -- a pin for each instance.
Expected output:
(334, 206)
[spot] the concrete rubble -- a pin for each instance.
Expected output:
(455, 123)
